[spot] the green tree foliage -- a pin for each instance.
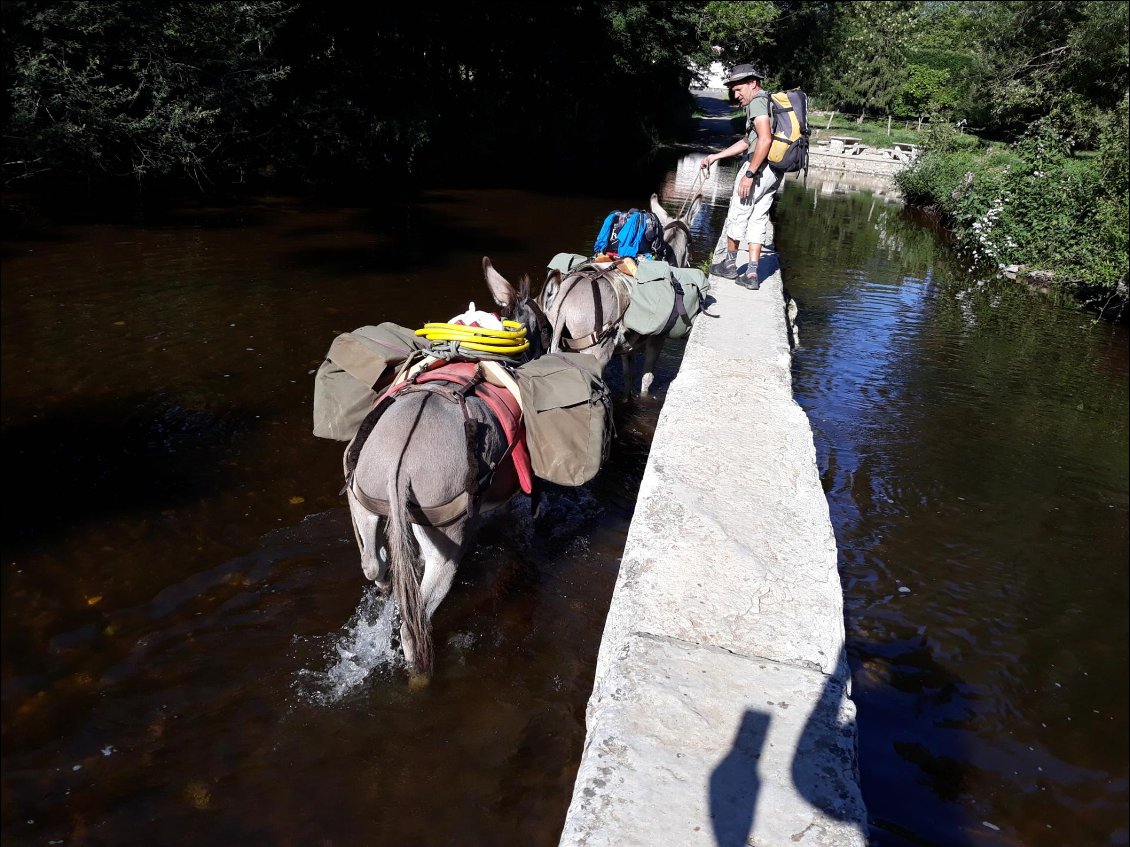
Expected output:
(300, 91)
(902, 58)
(740, 31)
(942, 66)
(805, 35)
(938, 82)
(926, 90)
(870, 65)
(1069, 59)
(111, 89)
(1051, 79)
(306, 92)
(1033, 204)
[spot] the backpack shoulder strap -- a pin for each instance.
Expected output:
(765, 94)
(631, 235)
(653, 235)
(605, 232)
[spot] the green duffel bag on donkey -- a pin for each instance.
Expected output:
(694, 284)
(567, 410)
(358, 366)
(665, 300)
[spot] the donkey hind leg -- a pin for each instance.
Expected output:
(440, 550)
(652, 346)
(628, 373)
(367, 531)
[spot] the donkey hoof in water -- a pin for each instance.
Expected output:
(645, 386)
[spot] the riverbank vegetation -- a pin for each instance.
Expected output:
(153, 96)
(1041, 190)
(1035, 208)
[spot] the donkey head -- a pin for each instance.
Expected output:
(677, 231)
(516, 304)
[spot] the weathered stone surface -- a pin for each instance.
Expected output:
(720, 708)
(673, 758)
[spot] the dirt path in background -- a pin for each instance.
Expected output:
(715, 127)
(713, 130)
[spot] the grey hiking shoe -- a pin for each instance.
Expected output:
(748, 278)
(726, 267)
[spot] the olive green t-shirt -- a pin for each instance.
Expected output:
(758, 107)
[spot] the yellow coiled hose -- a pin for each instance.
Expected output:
(505, 342)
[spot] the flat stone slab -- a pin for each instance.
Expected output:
(673, 758)
(865, 163)
(730, 543)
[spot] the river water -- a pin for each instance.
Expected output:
(192, 655)
(972, 441)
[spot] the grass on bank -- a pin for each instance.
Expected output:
(872, 133)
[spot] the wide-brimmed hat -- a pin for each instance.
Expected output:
(740, 73)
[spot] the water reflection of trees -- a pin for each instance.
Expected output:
(972, 439)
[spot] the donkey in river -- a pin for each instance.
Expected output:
(586, 305)
(440, 450)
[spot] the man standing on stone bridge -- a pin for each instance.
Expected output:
(755, 186)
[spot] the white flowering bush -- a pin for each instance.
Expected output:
(1033, 204)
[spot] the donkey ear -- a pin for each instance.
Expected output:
(501, 290)
(549, 289)
(692, 212)
(660, 212)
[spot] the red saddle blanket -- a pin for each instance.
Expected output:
(502, 404)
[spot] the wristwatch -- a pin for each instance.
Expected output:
(750, 173)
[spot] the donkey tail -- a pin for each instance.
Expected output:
(555, 340)
(405, 585)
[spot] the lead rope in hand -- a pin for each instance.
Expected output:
(690, 194)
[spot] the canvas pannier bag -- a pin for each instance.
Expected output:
(565, 262)
(694, 285)
(358, 366)
(651, 299)
(567, 409)
(653, 309)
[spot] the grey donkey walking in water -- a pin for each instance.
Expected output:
(586, 306)
(437, 459)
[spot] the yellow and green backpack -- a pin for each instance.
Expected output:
(788, 114)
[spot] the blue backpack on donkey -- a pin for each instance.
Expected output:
(631, 234)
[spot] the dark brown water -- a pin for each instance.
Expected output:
(191, 654)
